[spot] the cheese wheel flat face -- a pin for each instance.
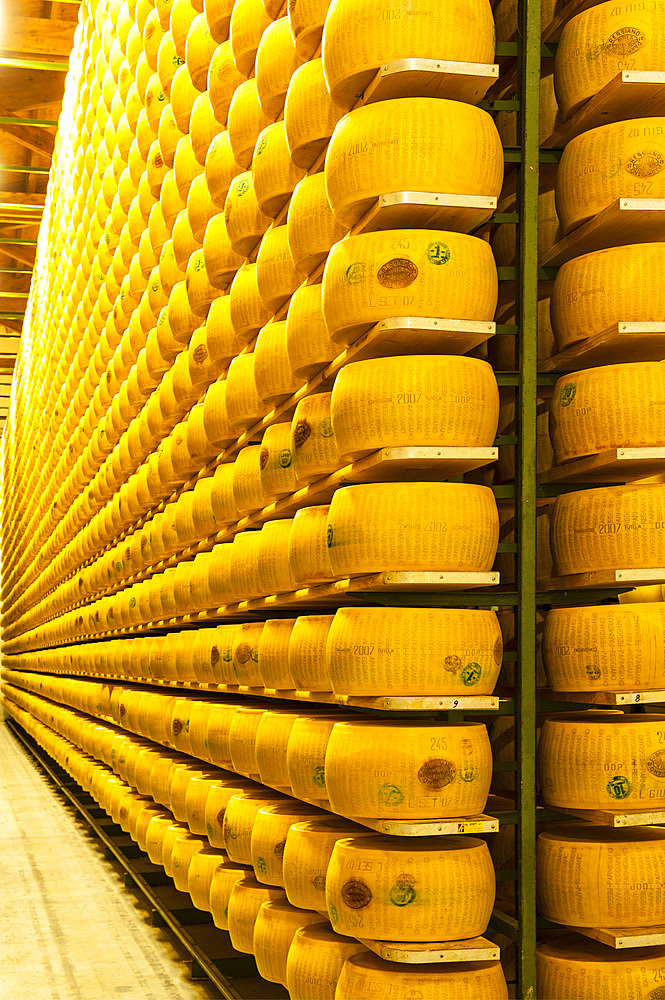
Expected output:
(310, 114)
(574, 968)
(275, 173)
(315, 961)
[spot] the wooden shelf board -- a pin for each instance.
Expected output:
(616, 465)
(405, 335)
(458, 81)
(627, 220)
(552, 31)
(458, 213)
(432, 827)
(617, 699)
(630, 94)
(624, 342)
(620, 938)
(604, 578)
(478, 949)
(618, 820)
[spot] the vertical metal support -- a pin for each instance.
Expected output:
(527, 312)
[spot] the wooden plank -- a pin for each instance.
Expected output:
(17, 253)
(621, 938)
(431, 827)
(605, 578)
(630, 94)
(13, 199)
(621, 343)
(616, 465)
(617, 820)
(37, 35)
(617, 699)
(458, 213)
(627, 220)
(478, 949)
(39, 142)
(24, 90)
(458, 81)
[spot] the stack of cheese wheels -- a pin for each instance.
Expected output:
(580, 306)
(246, 899)
(358, 39)
(603, 408)
(624, 159)
(309, 846)
(413, 652)
(427, 770)
(602, 760)
(271, 826)
(276, 926)
(430, 890)
(574, 968)
(418, 133)
(590, 876)
(366, 976)
(416, 400)
(612, 648)
(315, 961)
(406, 272)
(618, 38)
(457, 527)
(609, 528)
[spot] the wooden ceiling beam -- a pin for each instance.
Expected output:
(23, 90)
(19, 255)
(37, 36)
(37, 141)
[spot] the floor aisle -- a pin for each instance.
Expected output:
(69, 930)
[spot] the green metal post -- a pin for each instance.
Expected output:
(527, 312)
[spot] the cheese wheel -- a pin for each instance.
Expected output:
(598, 760)
(276, 926)
(245, 901)
(276, 275)
(594, 877)
(182, 94)
(416, 400)
(172, 834)
(223, 78)
(218, 16)
(310, 114)
(276, 62)
(245, 123)
(221, 260)
(248, 310)
(430, 889)
(203, 127)
(272, 737)
(245, 222)
(248, 22)
(359, 38)
(223, 881)
(184, 850)
(223, 343)
(308, 342)
(315, 961)
(609, 528)
(599, 43)
(216, 423)
(218, 729)
(603, 408)
(200, 291)
(243, 405)
(248, 492)
(417, 133)
(239, 819)
(427, 771)
(307, 652)
(220, 168)
(574, 968)
(199, 50)
(246, 660)
(413, 652)
(582, 305)
(242, 737)
(309, 556)
(306, 754)
(313, 441)
(274, 570)
(457, 527)
(275, 174)
(222, 495)
(244, 574)
(217, 799)
(306, 20)
(366, 976)
(278, 477)
(407, 272)
(311, 226)
(307, 852)
(202, 868)
(269, 831)
(627, 160)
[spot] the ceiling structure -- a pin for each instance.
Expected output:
(36, 39)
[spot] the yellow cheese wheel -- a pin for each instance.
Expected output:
(217, 799)
(218, 729)
(216, 423)
(239, 817)
(222, 497)
(244, 573)
(220, 168)
(245, 901)
(184, 850)
(271, 825)
(622, 160)
(308, 342)
(416, 400)
(200, 207)
(275, 173)
(407, 272)
(306, 20)
(222, 341)
(413, 652)
(246, 660)
(241, 738)
(245, 123)
(311, 226)
(310, 114)
(601, 42)
(223, 881)
(243, 405)
(274, 569)
(199, 50)
(427, 771)
(277, 473)
(203, 127)
(248, 22)
(221, 260)
(274, 377)
(315, 961)
(276, 62)
(307, 652)
(245, 222)
(248, 310)
(218, 16)
(313, 440)
(582, 305)
(428, 144)
(614, 527)
(596, 760)
(366, 976)
(308, 550)
(359, 38)
(307, 852)
(276, 274)
(276, 926)
(306, 753)
(272, 737)
(574, 968)
(456, 528)
(223, 78)
(426, 890)
(595, 877)
(248, 492)
(183, 93)
(603, 408)
(200, 874)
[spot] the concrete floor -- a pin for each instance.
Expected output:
(69, 930)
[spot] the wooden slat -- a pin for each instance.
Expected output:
(24, 90)
(40, 142)
(18, 253)
(37, 35)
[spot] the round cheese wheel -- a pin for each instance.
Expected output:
(603, 408)
(222, 495)
(184, 851)
(218, 728)
(247, 487)
(246, 121)
(218, 797)
(413, 651)
(276, 62)
(307, 652)
(239, 819)
(248, 310)
(248, 22)
(218, 16)
(243, 406)
(245, 902)
(203, 127)
(308, 342)
(408, 272)
(594, 877)
(246, 657)
(608, 528)
(223, 79)
(598, 760)
(275, 380)
(359, 38)
(220, 168)
(307, 852)
(272, 737)
(221, 260)
(311, 226)
(313, 441)
(427, 771)
(244, 574)
(242, 734)
(310, 114)
(315, 961)
(274, 569)
(277, 473)
(275, 173)
(306, 754)
(245, 222)
(202, 868)
(428, 144)
(199, 50)
(415, 400)
(269, 831)
(276, 274)
(308, 550)
(574, 968)
(222, 341)
(432, 888)
(223, 881)
(306, 20)
(276, 926)
(365, 976)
